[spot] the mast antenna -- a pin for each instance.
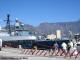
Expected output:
(8, 27)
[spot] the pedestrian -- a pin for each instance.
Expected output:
(56, 46)
(68, 46)
(64, 46)
(71, 44)
(75, 48)
(0, 44)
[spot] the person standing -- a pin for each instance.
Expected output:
(0, 44)
(68, 46)
(75, 48)
(56, 46)
(64, 46)
(71, 44)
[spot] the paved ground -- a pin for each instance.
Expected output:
(50, 58)
(16, 54)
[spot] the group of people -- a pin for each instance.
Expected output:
(70, 46)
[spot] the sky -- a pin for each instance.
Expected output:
(34, 12)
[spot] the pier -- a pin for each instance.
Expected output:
(17, 54)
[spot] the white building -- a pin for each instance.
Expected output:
(58, 34)
(51, 37)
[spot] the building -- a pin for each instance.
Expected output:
(51, 37)
(58, 34)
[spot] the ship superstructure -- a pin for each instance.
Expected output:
(16, 31)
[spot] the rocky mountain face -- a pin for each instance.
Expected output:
(49, 28)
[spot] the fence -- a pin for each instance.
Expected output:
(50, 52)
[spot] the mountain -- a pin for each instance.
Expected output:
(65, 27)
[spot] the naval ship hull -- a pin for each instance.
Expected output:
(28, 43)
(15, 41)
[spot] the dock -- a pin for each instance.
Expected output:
(16, 54)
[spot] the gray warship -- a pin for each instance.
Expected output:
(14, 35)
